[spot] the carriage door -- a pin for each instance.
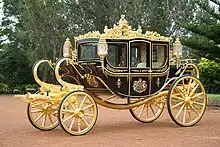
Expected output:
(139, 68)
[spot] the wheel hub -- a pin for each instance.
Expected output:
(188, 101)
(79, 113)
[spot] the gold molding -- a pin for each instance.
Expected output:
(91, 80)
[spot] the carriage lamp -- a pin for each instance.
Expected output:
(102, 49)
(67, 49)
(177, 50)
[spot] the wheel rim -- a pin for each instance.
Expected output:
(43, 115)
(187, 101)
(79, 112)
(148, 112)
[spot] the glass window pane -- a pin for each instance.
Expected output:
(117, 54)
(158, 56)
(88, 51)
(140, 55)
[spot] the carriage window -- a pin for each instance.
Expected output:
(117, 54)
(158, 56)
(88, 51)
(140, 52)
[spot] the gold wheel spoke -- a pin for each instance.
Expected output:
(51, 121)
(87, 114)
(201, 104)
(87, 107)
(195, 110)
(177, 105)
(142, 110)
(76, 101)
(152, 110)
(44, 120)
(83, 101)
(181, 92)
(64, 111)
(71, 104)
(68, 117)
(36, 105)
(179, 111)
(72, 122)
(183, 83)
(189, 113)
(147, 111)
(176, 97)
(184, 115)
(78, 125)
(135, 108)
(196, 95)
(194, 89)
(159, 105)
(39, 117)
(189, 85)
(54, 114)
(84, 120)
(36, 111)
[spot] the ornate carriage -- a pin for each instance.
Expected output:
(120, 69)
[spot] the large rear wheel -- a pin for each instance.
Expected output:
(186, 101)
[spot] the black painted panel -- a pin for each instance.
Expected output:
(157, 83)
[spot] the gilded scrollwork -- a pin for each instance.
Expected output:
(94, 34)
(115, 70)
(124, 31)
(91, 80)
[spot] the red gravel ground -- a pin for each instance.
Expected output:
(113, 128)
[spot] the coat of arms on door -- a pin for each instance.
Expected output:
(140, 86)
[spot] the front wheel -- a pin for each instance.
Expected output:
(77, 113)
(186, 101)
(42, 115)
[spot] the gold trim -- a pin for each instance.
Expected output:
(195, 68)
(44, 86)
(66, 86)
(124, 31)
(94, 34)
(111, 105)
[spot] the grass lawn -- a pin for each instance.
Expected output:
(214, 96)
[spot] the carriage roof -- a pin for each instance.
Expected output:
(123, 31)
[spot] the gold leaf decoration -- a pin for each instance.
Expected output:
(140, 86)
(124, 31)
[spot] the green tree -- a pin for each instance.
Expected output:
(205, 31)
(36, 29)
(40, 27)
(14, 65)
(210, 75)
(157, 15)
